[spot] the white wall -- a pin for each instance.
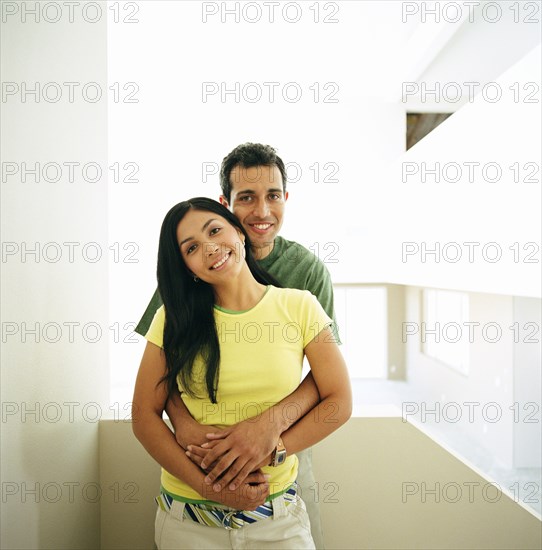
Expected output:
(357, 223)
(425, 214)
(502, 386)
(173, 135)
(49, 456)
(527, 383)
(481, 41)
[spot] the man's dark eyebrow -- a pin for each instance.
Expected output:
(252, 192)
(205, 225)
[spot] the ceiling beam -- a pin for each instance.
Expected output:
(432, 34)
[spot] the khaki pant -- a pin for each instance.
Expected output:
(306, 485)
(288, 528)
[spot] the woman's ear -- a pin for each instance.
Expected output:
(241, 236)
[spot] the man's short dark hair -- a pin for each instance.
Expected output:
(248, 155)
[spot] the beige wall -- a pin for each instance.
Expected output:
(362, 471)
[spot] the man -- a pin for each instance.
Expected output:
(253, 182)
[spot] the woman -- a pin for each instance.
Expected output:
(233, 344)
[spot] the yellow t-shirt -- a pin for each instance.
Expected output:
(261, 358)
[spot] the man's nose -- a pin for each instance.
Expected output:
(261, 209)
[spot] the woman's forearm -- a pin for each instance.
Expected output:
(148, 426)
(160, 443)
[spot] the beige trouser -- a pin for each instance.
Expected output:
(306, 485)
(288, 528)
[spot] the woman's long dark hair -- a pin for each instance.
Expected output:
(190, 328)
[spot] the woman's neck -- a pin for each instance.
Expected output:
(240, 294)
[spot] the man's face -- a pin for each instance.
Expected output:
(258, 200)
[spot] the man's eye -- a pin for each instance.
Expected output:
(246, 198)
(275, 196)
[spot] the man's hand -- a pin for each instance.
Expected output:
(237, 451)
(197, 454)
(251, 493)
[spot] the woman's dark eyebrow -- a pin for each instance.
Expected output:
(202, 230)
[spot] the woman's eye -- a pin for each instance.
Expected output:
(214, 231)
(191, 249)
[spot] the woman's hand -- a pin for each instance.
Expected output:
(187, 430)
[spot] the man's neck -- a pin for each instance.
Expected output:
(262, 252)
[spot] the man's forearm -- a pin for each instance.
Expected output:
(329, 415)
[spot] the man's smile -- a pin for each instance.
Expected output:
(260, 227)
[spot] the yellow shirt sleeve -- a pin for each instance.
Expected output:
(313, 318)
(155, 334)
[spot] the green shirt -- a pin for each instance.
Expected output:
(291, 264)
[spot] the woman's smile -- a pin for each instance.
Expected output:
(218, 265)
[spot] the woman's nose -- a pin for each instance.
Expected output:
(211, 248)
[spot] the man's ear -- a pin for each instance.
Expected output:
(223, 201)
(286, 196)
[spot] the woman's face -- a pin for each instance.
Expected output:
(211, 248)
